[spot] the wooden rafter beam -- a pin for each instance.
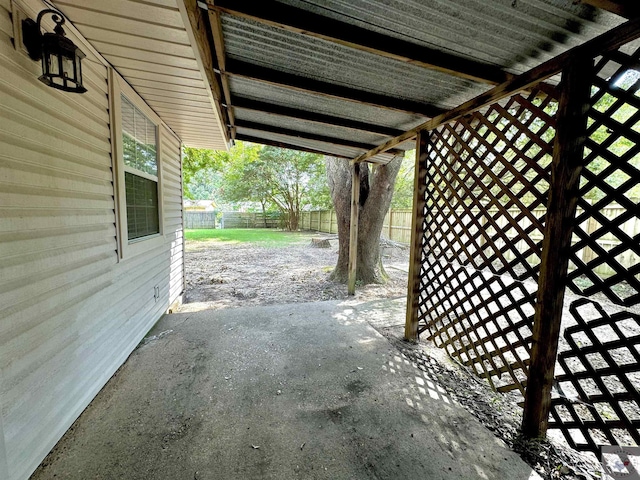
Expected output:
(265, 107)
(221, 56)
(199, 29)
(236, 68)
(624, 8)
(308, 136)
(290, 146)
(300, 21)
(609, 40)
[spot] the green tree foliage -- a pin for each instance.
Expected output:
(276, 178)
(403, 188)
(243, 179)
(205, 184)
(293, 178)
(615, 142)
(201, 172)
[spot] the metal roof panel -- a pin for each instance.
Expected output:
(317, 103)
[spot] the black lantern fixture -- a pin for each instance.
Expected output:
(61, 59)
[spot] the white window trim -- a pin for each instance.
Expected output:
(131, 248)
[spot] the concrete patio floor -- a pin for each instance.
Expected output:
(300, 391)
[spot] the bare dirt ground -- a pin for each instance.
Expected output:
(223, 275)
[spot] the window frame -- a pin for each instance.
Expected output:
(130, 248)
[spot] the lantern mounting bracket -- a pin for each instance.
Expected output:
(32, 32)
(60, 57)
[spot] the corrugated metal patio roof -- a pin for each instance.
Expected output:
(341, 77)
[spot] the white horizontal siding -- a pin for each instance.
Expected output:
(126, 24)
(163, 15)
(172, 207)
(6, 25)
(71, 312)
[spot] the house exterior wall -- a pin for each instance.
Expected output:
(72, 311)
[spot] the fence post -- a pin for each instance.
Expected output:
(588, 254)
(390, 223)
(330, 221)
(417, 223)
(566, 168)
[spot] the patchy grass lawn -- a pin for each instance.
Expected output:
(256, 236)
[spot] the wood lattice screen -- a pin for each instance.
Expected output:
(598, 370)
(487, 182)
(487, 176)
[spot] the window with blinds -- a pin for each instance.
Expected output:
(139, 151)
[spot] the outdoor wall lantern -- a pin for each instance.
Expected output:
(61, 59)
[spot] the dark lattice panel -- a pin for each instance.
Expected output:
(487, 181)
(606, 258)
(596, 400)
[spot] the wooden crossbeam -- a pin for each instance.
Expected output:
(609, 40)
(265, 107)
(624, 8)
(300, 21)
(290, 146)
(221, 57)
(199, 29)
(305, 135)
(274, 77)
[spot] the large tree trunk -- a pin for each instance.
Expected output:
(294, 220)
(376, 191)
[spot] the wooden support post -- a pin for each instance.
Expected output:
(353, 228)
(417, 221)
(566, 168)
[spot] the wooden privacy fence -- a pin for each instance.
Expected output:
(494, 242)
(396, 227)
(251, 220)
(605, 242)
(319, 221)
(194, 219)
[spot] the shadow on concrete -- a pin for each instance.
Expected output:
(307, 391)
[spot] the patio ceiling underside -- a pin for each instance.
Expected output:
(341, 77)
(149, 45)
